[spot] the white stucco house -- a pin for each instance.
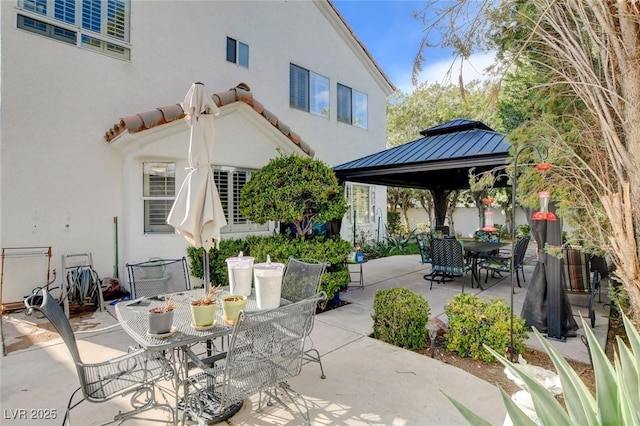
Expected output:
(93, 136)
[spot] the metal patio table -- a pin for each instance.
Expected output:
(133, 317)
(477, 249)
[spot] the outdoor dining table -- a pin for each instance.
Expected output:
(477, 249)
(133, 317)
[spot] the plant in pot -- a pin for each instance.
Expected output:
(161, 318)
(203, 311)
(231, 307)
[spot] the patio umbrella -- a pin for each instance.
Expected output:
(197, 212)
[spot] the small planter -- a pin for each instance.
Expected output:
(203, 315)
(231, 306)
(203, 311)
(160, 322)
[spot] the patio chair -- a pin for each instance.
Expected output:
(498, 264)
(577, 277)
(134, 373)
(266, 349)
(447, 260)
(301, 280)
(158, 276)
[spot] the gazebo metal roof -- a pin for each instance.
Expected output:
(440, 160)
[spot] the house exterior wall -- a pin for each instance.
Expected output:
(62, 185)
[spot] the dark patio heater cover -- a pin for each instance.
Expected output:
(546, 305)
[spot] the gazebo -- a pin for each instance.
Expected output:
(439, 161)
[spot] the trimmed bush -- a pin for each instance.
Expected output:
(279, 247)
(474, 322)
(400, 318)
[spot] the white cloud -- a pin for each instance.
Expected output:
(436, 72)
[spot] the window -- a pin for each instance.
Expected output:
(361, 202)
(237, 52)
(352, 106)
(308, 91)
(229, 183)
(98, 25)
(158, 194)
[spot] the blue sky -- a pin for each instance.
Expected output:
(392, 36)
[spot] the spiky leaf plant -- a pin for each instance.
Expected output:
(617, 388)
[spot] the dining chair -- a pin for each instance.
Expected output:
(503, 263)
(135, 374)
(448, 260)
(158, 276)
(579, 277)
(266, 348)
(301, 280)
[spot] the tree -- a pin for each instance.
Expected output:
(581, 60)
(403, 198)
(293, 189)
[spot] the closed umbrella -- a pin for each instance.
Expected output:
(197, 212)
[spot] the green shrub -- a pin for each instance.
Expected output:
(474, 322)
(400, 318)
(279, 248)
(217, 259)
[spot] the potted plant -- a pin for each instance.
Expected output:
(231, 307)
(161, 318)
(203, 311)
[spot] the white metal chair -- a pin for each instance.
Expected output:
(302, 279)
(158, 276)
(135, 373)
(265, 349)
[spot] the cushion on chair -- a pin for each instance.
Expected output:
(576, 275)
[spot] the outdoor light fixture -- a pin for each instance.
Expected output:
(543, 214)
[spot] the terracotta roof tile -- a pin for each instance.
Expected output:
(241, 93)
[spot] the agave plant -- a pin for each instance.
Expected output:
(617, 388)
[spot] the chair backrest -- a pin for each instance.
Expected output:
(521, 250)
(444, 229)
(576, 273)
(158, 276)
(486, 236)
(447, 254)
(424, 245)
(302, 279)
(43, 301)
(265, 348)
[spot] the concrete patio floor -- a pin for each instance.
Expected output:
(368, 382)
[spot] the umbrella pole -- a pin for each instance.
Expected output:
(205, 266)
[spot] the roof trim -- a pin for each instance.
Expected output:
(354, 37)
(241, 93)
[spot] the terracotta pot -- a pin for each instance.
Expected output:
(203, 315)
(231, 307)
(160, 322)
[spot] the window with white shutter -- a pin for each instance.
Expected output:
(229, 182)
(158, 195)
(100, 25)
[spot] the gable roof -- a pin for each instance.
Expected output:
(441, 159)
(162, 115)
